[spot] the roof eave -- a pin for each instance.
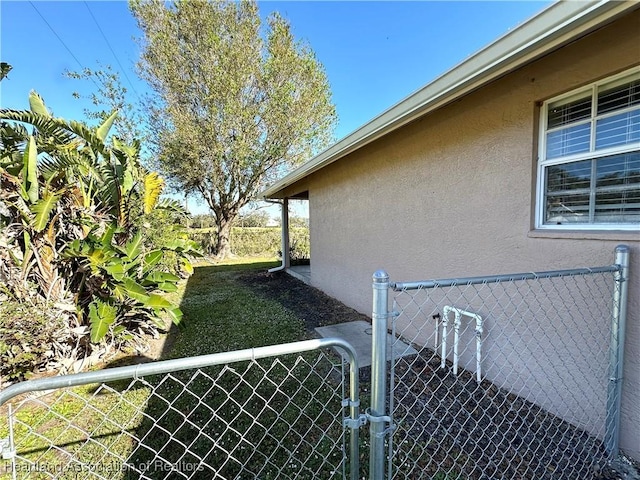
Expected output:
(557, 25)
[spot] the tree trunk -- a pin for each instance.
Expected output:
(223, 244)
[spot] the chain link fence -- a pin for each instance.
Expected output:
(516, 377)
(261, 413)
(511, 379)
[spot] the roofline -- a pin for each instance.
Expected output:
(554, 26)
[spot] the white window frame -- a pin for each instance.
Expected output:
(592, 154)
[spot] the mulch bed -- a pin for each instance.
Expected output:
(451, 425)
(479, 431)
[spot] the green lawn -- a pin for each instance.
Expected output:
(270, 419)
(222, 315)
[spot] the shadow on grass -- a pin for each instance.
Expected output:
(273, 418)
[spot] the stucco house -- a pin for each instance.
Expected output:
(524, 157)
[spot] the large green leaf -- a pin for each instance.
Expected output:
(36, 104)
(103, 129)
(43, 208)
(101, 316)
(119, 292)
(30, 171)
(107, 236)
(168, 287)
(151, 259)
(170, 205)
(117, 270)
(75, 248)
(124, 152)
(58, 128)
(89, 136)
(127, 182)
(28, 252)
(136, 291)
(187, 266)
(133, 248)
(156, 301)
(160, 277)
(176, 316)
(99, 257)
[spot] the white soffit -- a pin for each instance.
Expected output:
(555, 26)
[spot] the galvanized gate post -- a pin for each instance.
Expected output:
(377, 414)
(616, 352)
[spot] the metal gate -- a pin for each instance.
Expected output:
(270, 412)
(516, 376)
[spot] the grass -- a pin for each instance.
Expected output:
(246, 419)
(222, 315)
(50, 430)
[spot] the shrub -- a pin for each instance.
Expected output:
(255, 241)
(300, 246)
(27, 337)
(162, 227)
(77, 208)
(205, 239)
(258, 241)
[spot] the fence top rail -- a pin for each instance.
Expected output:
(509, 277)
(168, 366)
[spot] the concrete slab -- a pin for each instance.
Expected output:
(301, 272)
(358, 334)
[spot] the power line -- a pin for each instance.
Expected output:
(111, 49)
(61, 41)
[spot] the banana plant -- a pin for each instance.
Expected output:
(79, 200)
(125, 278)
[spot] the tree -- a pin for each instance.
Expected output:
(201, 221)
(255, 218)
(233, 109)
(5, 68)
(110, 96)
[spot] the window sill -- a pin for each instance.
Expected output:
(613, 235)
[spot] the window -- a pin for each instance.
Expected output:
(589, 162)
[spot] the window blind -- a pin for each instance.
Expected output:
(598, 132)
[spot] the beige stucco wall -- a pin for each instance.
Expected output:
(451, 195)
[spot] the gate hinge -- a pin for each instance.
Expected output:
(5, 449)
(346, 402)
(355, 422)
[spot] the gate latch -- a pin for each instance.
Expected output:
(382, 419)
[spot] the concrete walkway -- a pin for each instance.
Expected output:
(358, 334)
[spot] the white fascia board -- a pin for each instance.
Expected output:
(558, 24)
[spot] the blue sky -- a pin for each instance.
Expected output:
(374, 53)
